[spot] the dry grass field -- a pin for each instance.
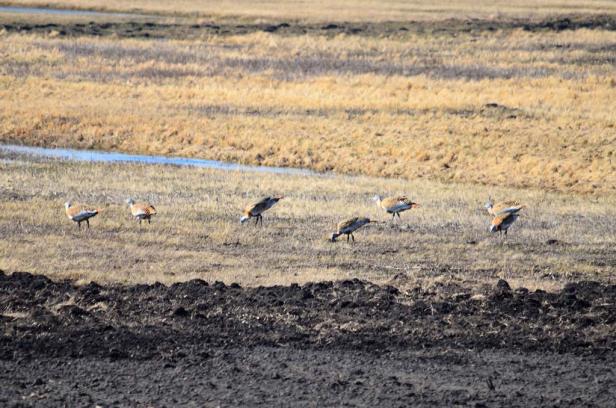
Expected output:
(197, 233)
(336, 10)
(509, 108)
(447, 112)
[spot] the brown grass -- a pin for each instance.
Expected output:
(337, 10)
(197, 232)
(506, 108)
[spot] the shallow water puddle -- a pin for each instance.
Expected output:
(44, 10)
(113, 157)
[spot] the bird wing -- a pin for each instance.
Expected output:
(506, 206)
(142, 209)
(503, 218)
(79, 213)
(396, 203)
(346, 224)
(257, 207)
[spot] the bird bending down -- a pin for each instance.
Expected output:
(503, 220)
(394, 205)
(349, 226)
(141, 211)
(256, 209)
(79, 213)
(503, 206)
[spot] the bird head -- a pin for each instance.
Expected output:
(493, 228)
(489, 204)
(130, 201)
(67, 205)
(377, 198)
(243, 219)
(333, 237)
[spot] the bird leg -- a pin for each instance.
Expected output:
(353, 237)
(348, 236)
(88, 223)
(79, 224)
(398, 215)
(139, 221)
(261, 219)
(149, 221)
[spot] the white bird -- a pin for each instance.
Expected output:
(141, 211)
(256, 209)
(79, 213)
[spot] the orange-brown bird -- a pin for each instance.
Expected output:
(503, 220)
(503, 206)
(394, 205)
(79, 213)
(256, 209)
(141, 211)
(349, 226)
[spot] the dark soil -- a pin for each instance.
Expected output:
(157, 28)
(348, 342)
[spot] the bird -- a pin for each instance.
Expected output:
(394, 205)
(503, 220)
(349, 226)
(256, 209)
(79, 213)
(503, 206)
(141, 211)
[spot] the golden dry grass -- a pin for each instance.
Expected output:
(197, 232)
(411, 106)
(337, 10)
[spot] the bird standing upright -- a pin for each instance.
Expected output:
(256, 209)
(79, 213)
(394, 205)
(141, 211)
(349, 226)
